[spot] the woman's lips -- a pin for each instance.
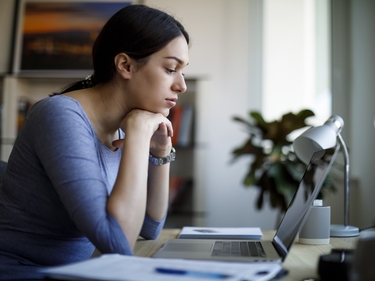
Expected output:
(172, 102)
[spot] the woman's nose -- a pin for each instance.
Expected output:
(180, 85)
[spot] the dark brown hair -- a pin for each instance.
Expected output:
(137, 30)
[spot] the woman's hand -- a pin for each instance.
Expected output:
(154, 124)
(161, 142)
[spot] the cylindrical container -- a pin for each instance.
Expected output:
(316, 229)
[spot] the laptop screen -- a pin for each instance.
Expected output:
(309, 187)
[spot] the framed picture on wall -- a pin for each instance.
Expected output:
(55, 37)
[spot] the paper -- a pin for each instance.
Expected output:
(193, 232)
(119, 267)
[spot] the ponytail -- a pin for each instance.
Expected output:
(79, 85)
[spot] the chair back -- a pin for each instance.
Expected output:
(3, 166)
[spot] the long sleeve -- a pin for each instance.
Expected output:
(55, 190)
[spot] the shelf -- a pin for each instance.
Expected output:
(54, 74)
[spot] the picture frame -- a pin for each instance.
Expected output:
(54, 38)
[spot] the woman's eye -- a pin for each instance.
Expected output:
(170, 71)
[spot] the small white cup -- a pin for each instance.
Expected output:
(316, 229)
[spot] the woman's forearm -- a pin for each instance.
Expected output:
(158, 191)
(127, 202)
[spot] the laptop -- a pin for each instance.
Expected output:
(274, 250)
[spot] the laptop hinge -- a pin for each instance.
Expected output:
(280, 248)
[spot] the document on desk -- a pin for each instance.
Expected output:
(246, 233)
(116, 267)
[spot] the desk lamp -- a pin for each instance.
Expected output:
(320, 138)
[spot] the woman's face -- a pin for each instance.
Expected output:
(155, 86)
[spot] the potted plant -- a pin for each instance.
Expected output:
(274, 169)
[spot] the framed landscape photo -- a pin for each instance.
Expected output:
(55, 37)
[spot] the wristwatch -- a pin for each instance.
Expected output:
(163, 160)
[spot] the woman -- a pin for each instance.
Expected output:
(90, 166)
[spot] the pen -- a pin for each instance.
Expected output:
(191, 273)
(263, 275)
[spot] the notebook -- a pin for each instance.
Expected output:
(274, 250)
(198, 232)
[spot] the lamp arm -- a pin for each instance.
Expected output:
(346, 180)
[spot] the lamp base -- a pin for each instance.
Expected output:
(344, 230)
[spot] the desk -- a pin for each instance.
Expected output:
(301, 261)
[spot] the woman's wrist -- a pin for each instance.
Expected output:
(161, 152)
(158, 161)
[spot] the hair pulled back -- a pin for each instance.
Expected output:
(137, 30)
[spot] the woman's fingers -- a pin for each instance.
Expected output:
(118, 143)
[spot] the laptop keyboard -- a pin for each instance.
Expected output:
(238, 249)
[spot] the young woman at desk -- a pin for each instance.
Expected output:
(90, 166)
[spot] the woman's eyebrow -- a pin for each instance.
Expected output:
(176, 59)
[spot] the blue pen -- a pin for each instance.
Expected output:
(190, 273)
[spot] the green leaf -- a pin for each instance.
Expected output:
(273, 171)
(305, 113)
(258, 118)
(249, 178)
(260, 200)
(243, 121)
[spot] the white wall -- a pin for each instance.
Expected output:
(296, 58)
(221, 53)
(363, 109)
(284, 57)
(354, 98)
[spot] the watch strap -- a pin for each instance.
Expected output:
(163, 160)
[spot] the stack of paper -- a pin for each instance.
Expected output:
(245, 233)
(119, 267)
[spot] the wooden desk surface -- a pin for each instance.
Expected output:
(302, 260)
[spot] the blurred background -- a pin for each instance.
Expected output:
(271, 56)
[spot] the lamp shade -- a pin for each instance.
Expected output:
(318, 138)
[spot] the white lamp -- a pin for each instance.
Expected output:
(325, 137)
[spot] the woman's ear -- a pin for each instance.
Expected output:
(124, 65)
